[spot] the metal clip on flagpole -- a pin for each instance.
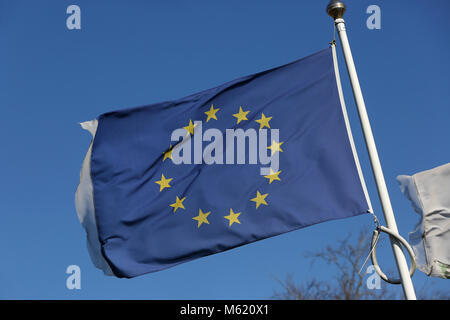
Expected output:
(336, 10)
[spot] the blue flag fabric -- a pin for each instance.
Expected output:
(153, 212)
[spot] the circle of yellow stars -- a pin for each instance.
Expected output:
(259, 199)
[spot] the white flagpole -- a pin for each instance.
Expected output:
(336, 10)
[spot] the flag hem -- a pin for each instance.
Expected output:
(349, 130)
(84, 205)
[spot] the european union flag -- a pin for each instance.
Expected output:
(250, 159)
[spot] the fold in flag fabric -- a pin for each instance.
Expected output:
(253, 158)
(429, 193)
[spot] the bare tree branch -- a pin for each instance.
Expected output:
(345, 257)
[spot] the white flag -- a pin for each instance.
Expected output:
(429, 192)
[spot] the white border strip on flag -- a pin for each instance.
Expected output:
(349, 130)
(84, 204)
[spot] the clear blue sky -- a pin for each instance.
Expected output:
(132, 53)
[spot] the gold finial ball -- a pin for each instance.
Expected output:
(336, 9)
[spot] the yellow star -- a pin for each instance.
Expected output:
(178, 204)
(273, 176)
(163, 183)
(260, 199)
(190, 127)
(168, 153)
(211, 113)
(201, 218)
(264, 121)
(276, 146)
(242, 115)
(233, 217)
